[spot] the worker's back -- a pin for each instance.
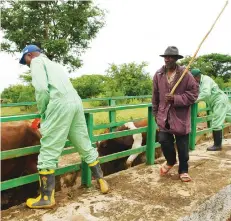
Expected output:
(216, 93)
(59, 85)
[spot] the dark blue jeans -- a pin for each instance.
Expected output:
(167, 145)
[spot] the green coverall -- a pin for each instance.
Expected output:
(217, 100)
(62, 114)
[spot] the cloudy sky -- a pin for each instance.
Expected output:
(140, 31)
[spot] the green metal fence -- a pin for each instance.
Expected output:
(86, 175)
(227, 91)
(110, 100)
(149, 148)
(195, 120)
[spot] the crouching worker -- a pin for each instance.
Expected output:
(62, 116)
(217, 101)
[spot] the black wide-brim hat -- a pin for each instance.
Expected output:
(172, 51)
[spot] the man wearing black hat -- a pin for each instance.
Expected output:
(172, 112)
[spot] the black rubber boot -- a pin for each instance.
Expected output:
(46, 198)
(97, 173)
(217, 137)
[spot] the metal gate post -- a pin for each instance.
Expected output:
(151, 138)
(86, 172)
(112, 114)
(192, 135)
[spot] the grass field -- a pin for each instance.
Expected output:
(9, 111)
(99, 118)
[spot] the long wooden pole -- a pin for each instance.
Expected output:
(193, 58)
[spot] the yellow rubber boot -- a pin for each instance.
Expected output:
(46, 199)
(98, 175)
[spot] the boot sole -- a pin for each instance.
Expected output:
(42, 207)
(214, 150)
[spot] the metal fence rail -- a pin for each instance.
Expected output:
(111, 100)
(149, 148)
(86, 175)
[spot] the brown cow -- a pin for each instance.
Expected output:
(16, 135)
(116, 145)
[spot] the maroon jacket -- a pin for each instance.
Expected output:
(176, 114)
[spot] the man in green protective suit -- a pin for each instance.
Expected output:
(218, 102)
(62, 116)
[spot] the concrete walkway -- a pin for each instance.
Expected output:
(141, 194)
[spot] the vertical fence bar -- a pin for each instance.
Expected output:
(208, 112)
(112, 114)
(192, 136)
(86, 172)
(223, 134)
(151, 137)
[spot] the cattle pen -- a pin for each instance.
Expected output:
(86, 179)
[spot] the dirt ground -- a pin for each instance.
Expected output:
(140, 193)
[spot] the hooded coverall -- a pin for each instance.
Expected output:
(217, 100)
(62, 114)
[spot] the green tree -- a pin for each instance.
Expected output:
(18, 93)
(227, 84)
(131, 79)
(220, 82)
(213, 65)
(26, 77)
(27, 94)
(89, 85)
(63, 29)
